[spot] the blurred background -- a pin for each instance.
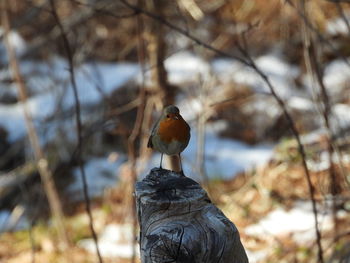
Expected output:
(264, 85)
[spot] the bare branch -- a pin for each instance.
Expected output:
(69, 55)
(301, 150)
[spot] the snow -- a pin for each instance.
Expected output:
(16, 41)
(190, 109)
(185, 67)
(111, 75)
(280, 73)
(336, 76)
(300, 103)
(256, 256)
(273, 64)
(100, 174)
(114, 241)
(11, 118)
(298, 222)
(338, 26)
(341, 121)
(224, 157)
(229, 70)
(321, 163)
(44, 104)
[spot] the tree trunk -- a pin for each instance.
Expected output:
(178, 223)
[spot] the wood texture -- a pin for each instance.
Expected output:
(178, 223)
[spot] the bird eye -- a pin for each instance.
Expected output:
(168, 116)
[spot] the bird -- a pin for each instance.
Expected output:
(171, 134)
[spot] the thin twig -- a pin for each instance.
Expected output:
(69, 55)
(137, 130)
(132, 159)
(344, 234)
(316, 72)
(301, 148)
(25, 193)
(32, 242)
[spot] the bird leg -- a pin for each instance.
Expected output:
(181, 171)
(161, 159)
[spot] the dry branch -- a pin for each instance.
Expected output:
(69, 55)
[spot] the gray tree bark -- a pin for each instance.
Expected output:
(178, 223)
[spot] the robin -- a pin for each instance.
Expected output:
(171, 133)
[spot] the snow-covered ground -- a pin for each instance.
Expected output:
(224, 157)
(93, 83)
(115, 241)
(297, 223)
(339, 25)
(51, 92)
(100, 172)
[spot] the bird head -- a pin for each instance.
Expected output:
(171, 112)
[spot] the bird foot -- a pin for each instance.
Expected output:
(181, 173)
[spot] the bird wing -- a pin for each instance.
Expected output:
(149, 143)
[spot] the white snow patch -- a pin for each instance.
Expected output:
(263, 107)
(280, 73)
(186, 67)
(301, 104)
(342, 117)
(11, 118)
(16, 41)
(336, 76)
(322, 161)
(100, 173)
(190, 109)
(228, 70)
(256, 256)
(274, 65)
(114, 241)
(338, 26)
(297, 222)
(94, 81)
(313, 137)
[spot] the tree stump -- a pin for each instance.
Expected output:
(178, 223)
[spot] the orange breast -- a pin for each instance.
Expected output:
(174, 130)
